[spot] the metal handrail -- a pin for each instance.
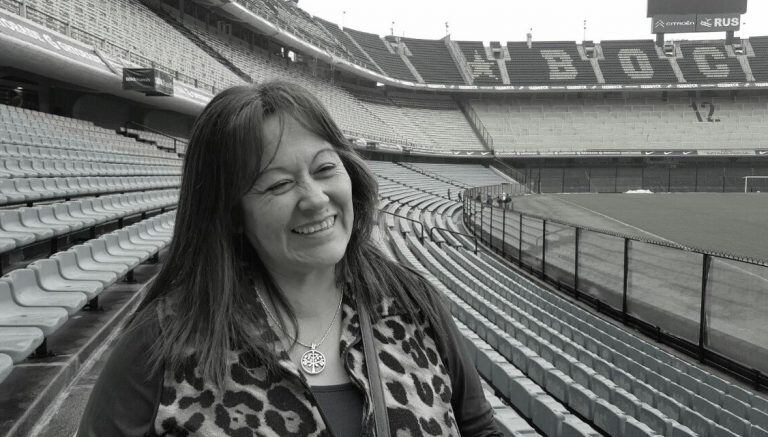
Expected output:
(474, 238)
(672, 337)
(421, 225)
(147, 128)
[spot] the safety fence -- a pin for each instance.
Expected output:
(711, 305)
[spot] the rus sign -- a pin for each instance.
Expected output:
(695, 23)
(717, 22)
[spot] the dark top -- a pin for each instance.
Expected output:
(125, 399)
(342, 406)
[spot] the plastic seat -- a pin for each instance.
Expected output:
(6, 366)
(101, 254)
(115, 248)
(45, 217)
(53, 189)
(146, 231)
(19, 342)
(155, 230)
(11, 221)
(50, 278)
(13, 169)
(30, 188)
(9, 191)
(86, 261)
(60, 213)
(70, 269)
(74, 186)
(6, 244)
(87, 208)
(128, 243)
(98, 206)
(25, 165)
(20, 238)
(62, 186)
(47, 319)
(139, 238)
(75, 211)
(26, 291)
(39, 167)
(30, 218)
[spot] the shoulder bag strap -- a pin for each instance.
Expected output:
(374, 379)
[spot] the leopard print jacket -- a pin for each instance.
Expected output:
(416, 383)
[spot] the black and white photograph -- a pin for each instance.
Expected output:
(339, 218)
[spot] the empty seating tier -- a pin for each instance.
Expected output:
(359, 57)
(634, 122)
(391, 62)
(759, 62)
(547, 63)
(485, 71)
(634, 62)
(432, 60)
(566, 371)
(127, 30)
(709, 61)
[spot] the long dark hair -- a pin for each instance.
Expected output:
(207, 278)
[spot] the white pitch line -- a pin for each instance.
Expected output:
(657, 236)
(619, 221)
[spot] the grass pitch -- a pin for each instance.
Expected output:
(724, 222)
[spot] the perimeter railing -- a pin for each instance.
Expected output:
(713, 306)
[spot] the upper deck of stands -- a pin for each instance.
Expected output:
(432, 60)
(639, 61)
(546, 63)
(484, 71)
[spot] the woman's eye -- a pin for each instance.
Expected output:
(326, 168)
(278, 186)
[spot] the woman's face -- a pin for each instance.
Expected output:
(298, 215)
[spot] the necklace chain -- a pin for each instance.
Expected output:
(313, 345)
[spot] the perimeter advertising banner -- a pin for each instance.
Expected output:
(149, 81)
(29, 33)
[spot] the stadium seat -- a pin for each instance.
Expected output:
(100, 254)
(51, 279)
(6, 366)
(26, 291)
(9, 192)
(19, 342)
(114, 247)
(47, 318)
(69, 268)
(30, 217)
(11, 223)
(87, 261)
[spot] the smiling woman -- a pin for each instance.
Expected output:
(275, 314)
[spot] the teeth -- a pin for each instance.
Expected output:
(311, 229)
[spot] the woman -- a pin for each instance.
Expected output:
(253, 325)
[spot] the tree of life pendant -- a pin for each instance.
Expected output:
(313, 361)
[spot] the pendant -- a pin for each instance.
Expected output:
(313, 361)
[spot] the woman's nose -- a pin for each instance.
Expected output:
(312, 195)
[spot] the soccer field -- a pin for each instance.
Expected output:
(723, 222)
